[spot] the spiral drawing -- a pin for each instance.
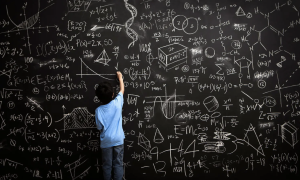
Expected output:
(130, 32)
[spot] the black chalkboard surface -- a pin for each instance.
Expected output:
(211, 87)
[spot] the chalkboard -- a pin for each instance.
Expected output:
(211, 87)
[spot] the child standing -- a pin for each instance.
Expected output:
(109, 122)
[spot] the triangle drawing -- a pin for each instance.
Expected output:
(252, 140)
(103, 58)
(158, 138)
(240, 12)
(144, 142)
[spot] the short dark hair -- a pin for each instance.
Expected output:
(104, 92)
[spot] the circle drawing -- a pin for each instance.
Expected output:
(178, 22)
(261, 84)
(185, 68)
(191, 27)
(125, 71)
(236, 44)
(209, 55)
(11, 105)
(204, 117)
(35, 90)
(188, 25)
(269, 101)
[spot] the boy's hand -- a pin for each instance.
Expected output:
(119, 75)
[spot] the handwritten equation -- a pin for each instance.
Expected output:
(211, 87)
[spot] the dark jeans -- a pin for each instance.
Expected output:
(112, 157)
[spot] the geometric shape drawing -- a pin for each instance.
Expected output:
(178, 22)
(144, 142)
(103, 58)
(252, 140)
(158, 138)
(236, 44)
(269, 101)
(289, 134)
(7, 73)
(188, 25)
(79, 118)
(191, 26)
(261, 84)
(211, 103)
(243, 63)
(211, 54)
(172, 55)
(240, 12)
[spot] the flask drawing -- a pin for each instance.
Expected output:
(211, 103)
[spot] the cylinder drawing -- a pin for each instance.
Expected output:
(211, 103)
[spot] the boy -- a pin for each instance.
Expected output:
(109, 121)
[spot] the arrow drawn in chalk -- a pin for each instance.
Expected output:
(96, 27)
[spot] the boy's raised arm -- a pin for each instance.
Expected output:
(119, 74)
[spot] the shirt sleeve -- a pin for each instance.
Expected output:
(119, 99)
(98, 123)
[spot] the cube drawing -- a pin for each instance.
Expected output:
(289, 133)
(172, 55)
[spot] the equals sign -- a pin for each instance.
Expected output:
(144, 167)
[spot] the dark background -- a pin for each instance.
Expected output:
(35, 121)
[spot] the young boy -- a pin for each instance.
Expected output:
(109, 121)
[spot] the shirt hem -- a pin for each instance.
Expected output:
(112, 146)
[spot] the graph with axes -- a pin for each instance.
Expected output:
(29, 23)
